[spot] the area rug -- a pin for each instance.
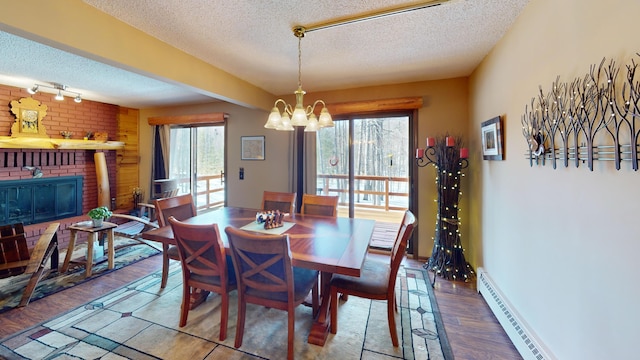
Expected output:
(11, 289)
(140, 321)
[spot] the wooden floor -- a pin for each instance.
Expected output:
(473, 331)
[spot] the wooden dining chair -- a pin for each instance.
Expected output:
(180, 207)
(205, 266)
(15, 258)
(282, 201)
(266, 277)
(319, 205)
(377, 279)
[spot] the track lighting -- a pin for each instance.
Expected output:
(55, 86)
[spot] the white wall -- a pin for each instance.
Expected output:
(561, 244)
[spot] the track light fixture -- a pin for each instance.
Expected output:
(55, 86)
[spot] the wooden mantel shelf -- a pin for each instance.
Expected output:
(8, 142)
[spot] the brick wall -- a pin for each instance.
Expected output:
(66, 115)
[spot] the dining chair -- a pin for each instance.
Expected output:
(283, 201)
(205, 266)
(319, 205)
(377, 279)
(181, 207)
(266, 277)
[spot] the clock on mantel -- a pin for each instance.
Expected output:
(29, 114)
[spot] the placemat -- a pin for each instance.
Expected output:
(254, 226)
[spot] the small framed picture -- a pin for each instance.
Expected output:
(491, 133)
(252, 147)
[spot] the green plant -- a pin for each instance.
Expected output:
(101, 212)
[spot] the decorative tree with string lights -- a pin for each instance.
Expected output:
(449, 158)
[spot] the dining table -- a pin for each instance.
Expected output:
(331, 245)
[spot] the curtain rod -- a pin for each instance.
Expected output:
(375, 15)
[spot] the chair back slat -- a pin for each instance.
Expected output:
(282, 201)
(262, 262)
(180, 207)
(400, 244)
(13, 248)
(200, 247)
(319, 205)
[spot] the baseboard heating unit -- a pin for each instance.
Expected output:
(514, 326)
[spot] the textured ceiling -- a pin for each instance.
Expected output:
(253, 40)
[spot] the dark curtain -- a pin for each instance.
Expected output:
(159, 171)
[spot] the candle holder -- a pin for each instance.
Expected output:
(446, 152)
(449, 158)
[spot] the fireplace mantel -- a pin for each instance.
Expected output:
(8, 142)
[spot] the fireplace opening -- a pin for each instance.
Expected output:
(32, 201)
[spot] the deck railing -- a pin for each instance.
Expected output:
(210, 191)
(386, 192)
(371, 192)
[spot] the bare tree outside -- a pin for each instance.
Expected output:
(381, 155)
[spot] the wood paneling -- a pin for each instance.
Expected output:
(364, 107)
(197, 119)
(128, 159)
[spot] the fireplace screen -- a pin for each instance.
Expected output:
(31, 201)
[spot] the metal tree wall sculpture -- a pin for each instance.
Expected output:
(596, 117)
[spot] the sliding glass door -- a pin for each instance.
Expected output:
(365, 160)
(197, 161)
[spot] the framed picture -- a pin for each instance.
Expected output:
(491, 132)
(252, 147)
(29, 114)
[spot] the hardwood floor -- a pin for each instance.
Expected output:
(473, 331)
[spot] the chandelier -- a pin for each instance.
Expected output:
(299, 115)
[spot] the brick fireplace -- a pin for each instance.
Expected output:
(80, 118)
(54, 164)
(32, 201)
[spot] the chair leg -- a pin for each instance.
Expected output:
(31, 286)
(334, 310)
(52, 251)
(291, 332)
(184, 308)
(165, 265)
(392, 320)
(242, 308)
(224, 316)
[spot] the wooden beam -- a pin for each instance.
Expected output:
(363, 107)
(198, 119)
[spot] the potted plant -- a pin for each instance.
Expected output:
(99, 214)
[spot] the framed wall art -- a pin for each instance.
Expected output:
(252, 147)
(491, 132)
(29, 114)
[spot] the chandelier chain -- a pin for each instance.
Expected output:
(300, 61)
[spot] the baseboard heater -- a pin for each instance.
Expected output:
(522, 337)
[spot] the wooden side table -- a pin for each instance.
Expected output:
(92, 237)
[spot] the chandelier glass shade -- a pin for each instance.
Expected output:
(298, 115)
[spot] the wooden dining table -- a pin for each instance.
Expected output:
(329, 245)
